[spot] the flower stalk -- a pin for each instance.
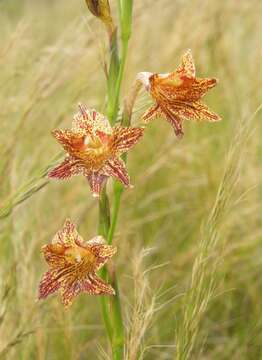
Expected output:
(103, 228)
(125, 13)
(111, 306)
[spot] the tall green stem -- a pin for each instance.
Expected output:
(112, 94)
(103, 228)
(111, 306)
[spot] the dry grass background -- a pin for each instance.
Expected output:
(189, 237)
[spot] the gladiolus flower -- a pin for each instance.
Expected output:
(94, 149)
(73, 265)
(177, 95)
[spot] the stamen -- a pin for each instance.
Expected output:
(87, 140)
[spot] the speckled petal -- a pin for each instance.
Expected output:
(81, 123)
(101, 250)
(192, 89)
(68, 168)
(173, 118)
(125, 138)
(54, 254)
(116, 167)
(201, 86)
(48, 285)
(70, 140)
(91, 285)
(94, 285)
(152, 113)
(195, 111)
(68, 235)
(89, 121)
(96, 181)
(187, 66)
(69, 291)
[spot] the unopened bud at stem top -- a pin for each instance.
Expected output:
(101, 9)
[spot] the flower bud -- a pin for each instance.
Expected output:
(101, 9)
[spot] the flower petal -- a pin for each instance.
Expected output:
(172, 88)
(173, 118)
(124, 138)
(97, 240)
(68, 235)
(88, 121)
(70, 140)
(96, 181)
(152, 113)
(96, 286)
(193, 89)
(194, 111)
(54, 254)
(48, 285)
(69, 291)
(116, 167)
(81, 123)
(102, 251)
(91, 285)
(187, 66)
(68, 168)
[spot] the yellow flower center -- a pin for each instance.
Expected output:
(94, 152)
(81, 257)
(94, 144)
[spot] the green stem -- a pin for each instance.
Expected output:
(119, 334)
(113, 102)
(118, 189)
(111, 306)
(103, 228)
(112, 78)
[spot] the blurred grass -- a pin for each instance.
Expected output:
(51, 57)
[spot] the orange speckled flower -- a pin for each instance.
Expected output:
(94, 148)
(178, 94)
(73, 265)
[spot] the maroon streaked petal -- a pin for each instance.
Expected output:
(194, 111)
(102, 252)
(84, 111)
(91, 285)
(81, 121)
(69, 291)
(96, 181)
(70, 140)
(54, 254)
(125, 137)
(187, 66)
(48, 285)
(173, 118)
(193, 89)
(68, 235)
(116, 167)
(94, 285)
(152, 113)
(68, 168)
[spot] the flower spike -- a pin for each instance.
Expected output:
(73, 265)
(178, 95)
(94, 149)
